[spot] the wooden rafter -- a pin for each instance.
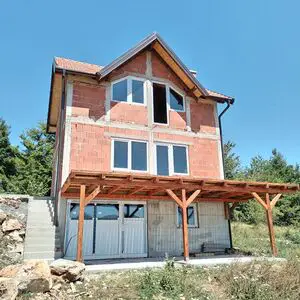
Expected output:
(136, 190)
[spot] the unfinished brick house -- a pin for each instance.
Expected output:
(138, 168)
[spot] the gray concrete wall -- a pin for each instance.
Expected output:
(62, 210)
(165, 237)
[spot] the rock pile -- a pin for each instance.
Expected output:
(13, 215)
(36, 276)
(12, 234)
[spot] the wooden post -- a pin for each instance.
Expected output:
(185, 237)
(270, 225)
(80, 223)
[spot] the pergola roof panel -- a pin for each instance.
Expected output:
(149, 187)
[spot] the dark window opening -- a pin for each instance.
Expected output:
(160, 103)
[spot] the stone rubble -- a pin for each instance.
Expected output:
(13, 215)
(40, 279)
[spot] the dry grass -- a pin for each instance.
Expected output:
(255, 239)
(255, 281)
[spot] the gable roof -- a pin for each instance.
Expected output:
(153, 41)
(87, 68)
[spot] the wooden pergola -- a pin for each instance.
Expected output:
(184, 190)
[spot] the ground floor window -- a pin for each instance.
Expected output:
(191, 216)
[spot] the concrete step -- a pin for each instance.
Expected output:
(42, 241)
(45, 234)
(48, 255)
(45, 225)
(42, 232)
(41, 247)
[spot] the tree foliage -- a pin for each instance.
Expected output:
(232, 162)
(7, 158)
(28, 169)
(274, 169)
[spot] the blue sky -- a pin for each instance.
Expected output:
(247, 49)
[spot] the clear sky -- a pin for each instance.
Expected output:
(247, 49)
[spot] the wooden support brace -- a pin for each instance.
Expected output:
(274, 200)
(92, 195)
(66, 185)
(261, 201)
(174, 197)
(192, 197)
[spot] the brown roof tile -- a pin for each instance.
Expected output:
(216, 94)
(73, 65)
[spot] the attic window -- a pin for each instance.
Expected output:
(129, 90)
(120, 91)
(176, 101)
(160, 104)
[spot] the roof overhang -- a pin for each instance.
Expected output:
(148, 187)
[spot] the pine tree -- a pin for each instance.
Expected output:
(7, 158)
(35, 162)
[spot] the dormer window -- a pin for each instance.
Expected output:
(129, 90)
(120, 91)
(176, 101)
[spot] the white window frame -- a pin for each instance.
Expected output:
(171, 158)
(168, 87)
(167, 100)
(129, 80)
(196, 225)
(129, 142)
(179, 93)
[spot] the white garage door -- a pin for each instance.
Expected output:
(111, 230)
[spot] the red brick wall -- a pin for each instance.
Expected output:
(202, 117)
(91, 144)
(135, 65)
(88, 100)
(203, 154)
(90, 149)
(128, 113)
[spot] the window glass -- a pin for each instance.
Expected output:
(88, 212)
(137, 91)
(176, 100)
(190, 214)
(133, 211)
(120, 154)
(107, 212)
(179, 156)
(120, 91)
(162, 162)
(139, 156)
